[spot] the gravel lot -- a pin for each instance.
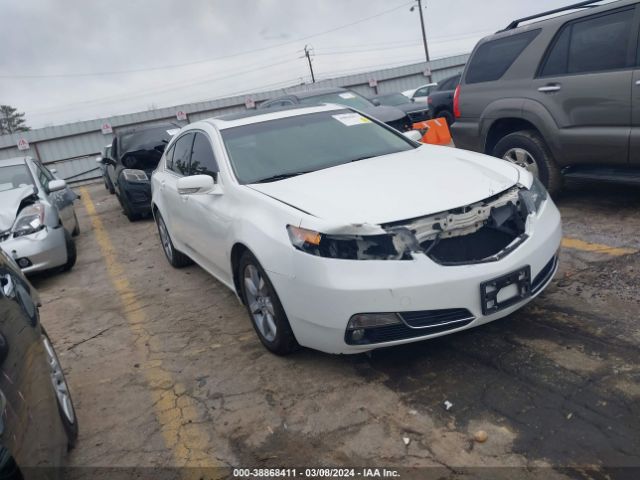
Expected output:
(166, 369)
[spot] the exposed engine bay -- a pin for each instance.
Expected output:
(480, 232)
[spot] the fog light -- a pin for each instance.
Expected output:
(357, 335)
(370, 320)
(23, 262)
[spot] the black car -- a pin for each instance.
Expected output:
(38, 423)
(392, 116)
(417, 112)
(134, 155)
(441, 99)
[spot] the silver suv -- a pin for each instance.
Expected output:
(560, 96)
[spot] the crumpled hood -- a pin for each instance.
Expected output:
(9, 202)
(395, 187)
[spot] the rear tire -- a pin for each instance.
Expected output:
(265, 310)
(63, 395)
(175, 258)
(72, 253)
(530, 142)
(447, 115)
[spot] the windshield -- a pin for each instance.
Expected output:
(306, 143)
(393, 99)
(14, 176)
(348, 99)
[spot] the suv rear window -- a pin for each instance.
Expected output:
(591, 45)
(493, 59)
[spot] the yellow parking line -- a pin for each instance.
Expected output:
(176, 413)
(576, 244)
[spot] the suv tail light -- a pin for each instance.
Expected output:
(456, 102)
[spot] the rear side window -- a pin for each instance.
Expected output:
(592, 45)
(203, 162)
(493, 59)
(181, 154)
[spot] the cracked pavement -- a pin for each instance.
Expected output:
(166, 370)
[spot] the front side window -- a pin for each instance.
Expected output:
(591, 45)
(348, 99)
(203, 162)
(271, 150)
(492, 59)
(181, 154)
(44, 175)
(14, 176)
(168, 157)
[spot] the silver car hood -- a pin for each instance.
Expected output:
(10, 201)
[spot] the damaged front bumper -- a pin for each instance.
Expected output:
(431, 297)
(43, 249)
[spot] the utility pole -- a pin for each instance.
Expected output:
(424, 37)
(307, 53)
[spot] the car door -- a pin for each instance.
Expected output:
(176, 167)
(62, 200)
(634, 139)
(422, 94)
(584, 82)
(30, 427)
(207, 215)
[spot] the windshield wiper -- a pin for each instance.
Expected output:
(280, 176)
(366, 157)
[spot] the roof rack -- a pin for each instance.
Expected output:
(586, 4)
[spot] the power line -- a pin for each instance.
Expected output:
(162, 89)
(206, 60)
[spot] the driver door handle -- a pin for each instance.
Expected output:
(552, 87)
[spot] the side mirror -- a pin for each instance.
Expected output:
(376, 102)
(414, 135)
(56, 185)
(198, 185)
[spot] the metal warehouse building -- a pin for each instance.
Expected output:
(72, 148)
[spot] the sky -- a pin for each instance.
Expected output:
(69, 60)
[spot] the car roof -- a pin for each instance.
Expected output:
(557, 19)
(317, 92)
(257, 116)
(9, 162)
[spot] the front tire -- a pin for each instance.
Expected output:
(265, 310)
(176, 258)
(527, 149)
(72, 253)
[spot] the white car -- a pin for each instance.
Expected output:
(37, 218)
(341, 234)
(420, 94)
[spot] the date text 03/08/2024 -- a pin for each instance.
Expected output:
(248, 473)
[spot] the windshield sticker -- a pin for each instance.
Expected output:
(347, 95)
(173, 131)
(351, 119)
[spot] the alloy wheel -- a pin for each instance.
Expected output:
(59, 383)
(164, 238)
(258, 296)
(523, 159)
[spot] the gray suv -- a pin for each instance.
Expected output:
(560, 96)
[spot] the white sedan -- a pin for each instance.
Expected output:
(341, 234)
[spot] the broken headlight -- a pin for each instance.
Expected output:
(396, 245)
(131, 175)
(538, 192)
(29, 220)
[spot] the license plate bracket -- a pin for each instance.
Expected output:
(489, 290)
